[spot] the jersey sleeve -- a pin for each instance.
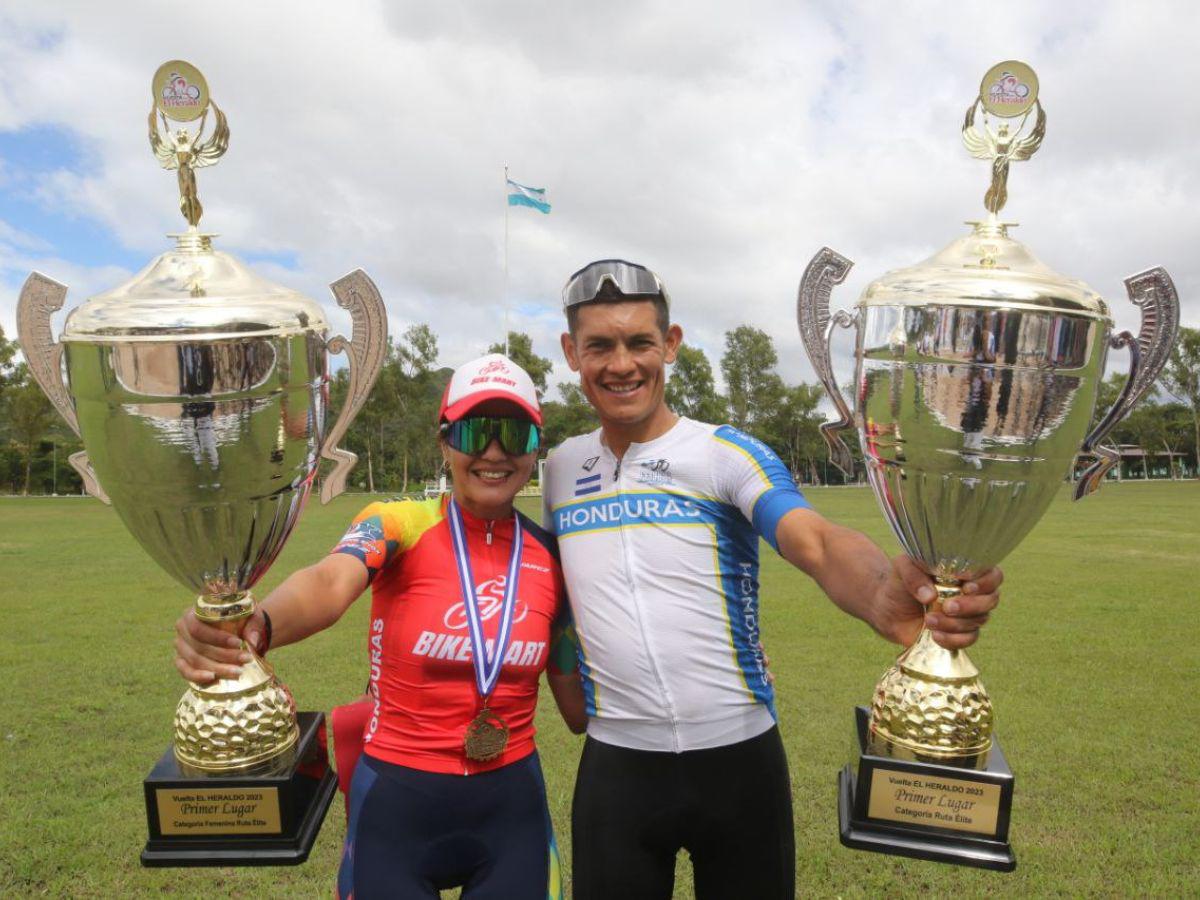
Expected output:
(373, 538)
(748, 475)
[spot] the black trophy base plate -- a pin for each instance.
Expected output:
(260, 818)
(860, 830)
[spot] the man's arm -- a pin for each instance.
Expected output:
(886, 594)
(308, 601)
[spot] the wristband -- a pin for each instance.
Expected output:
(266, 635)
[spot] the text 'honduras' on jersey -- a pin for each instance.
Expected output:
(660, 555)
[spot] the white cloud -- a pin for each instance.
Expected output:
(721, 144)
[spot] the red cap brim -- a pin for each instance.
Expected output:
(459, 410)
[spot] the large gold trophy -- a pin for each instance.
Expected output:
(200, 391)
(975, 382)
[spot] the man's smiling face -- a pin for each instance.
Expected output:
(621, 354)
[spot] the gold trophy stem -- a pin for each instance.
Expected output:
(227, 613)
(931, 704)
(234, 724)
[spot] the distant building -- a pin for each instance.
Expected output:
(1138, 464)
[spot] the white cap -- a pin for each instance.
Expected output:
(490, 377)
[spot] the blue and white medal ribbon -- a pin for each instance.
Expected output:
(487, 735)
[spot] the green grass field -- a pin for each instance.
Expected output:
(1091, 662)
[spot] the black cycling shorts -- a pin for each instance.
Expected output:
(414, 833)
(729, 807)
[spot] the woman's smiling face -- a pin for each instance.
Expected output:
(486, 483)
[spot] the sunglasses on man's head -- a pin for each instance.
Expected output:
(626, 278)
(473, 434)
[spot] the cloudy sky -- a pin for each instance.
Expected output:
(721, 144)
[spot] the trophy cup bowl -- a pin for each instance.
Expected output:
(970, 411)
(206, 439)
(976, 374)
(200, 391)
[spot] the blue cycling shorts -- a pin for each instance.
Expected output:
(413, 833)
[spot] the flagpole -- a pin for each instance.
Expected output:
(506, 260)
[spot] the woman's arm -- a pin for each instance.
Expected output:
(562, 674)
(567, 689)
(308, 601)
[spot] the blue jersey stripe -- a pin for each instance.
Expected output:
(773, 506)
(737, 555)
(780, 494)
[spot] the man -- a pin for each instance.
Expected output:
(658, 519)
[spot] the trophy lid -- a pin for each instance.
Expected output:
(195, 291)
(191, 290)
(985, 268)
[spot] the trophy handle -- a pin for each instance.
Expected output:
(825, 269)
(1154, 292)
(40, 298)
(366, 351)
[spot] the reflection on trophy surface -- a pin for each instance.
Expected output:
(200, 392)
(976, 376)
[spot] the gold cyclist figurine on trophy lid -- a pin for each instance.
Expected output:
(181, 95)
(1009, 91)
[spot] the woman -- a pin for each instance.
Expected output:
(449, 790)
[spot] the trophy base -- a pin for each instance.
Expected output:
(269, 816)
(926, 810)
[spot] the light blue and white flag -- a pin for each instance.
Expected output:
(520, 195)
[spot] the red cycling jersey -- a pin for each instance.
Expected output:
(422, 675)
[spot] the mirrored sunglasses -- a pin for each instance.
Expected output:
(472, 435)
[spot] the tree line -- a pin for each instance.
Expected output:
(394, 432)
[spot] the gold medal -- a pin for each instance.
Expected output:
(486, 737)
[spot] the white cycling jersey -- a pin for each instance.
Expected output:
(660, 556)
